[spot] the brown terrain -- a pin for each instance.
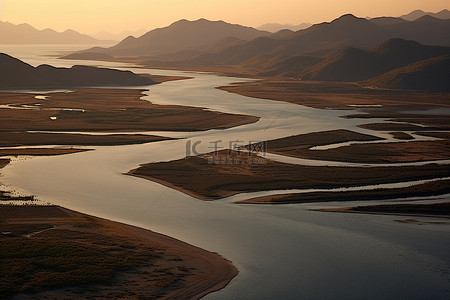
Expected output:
(17, 74)
(367, 67)
(13, 139)
(434, 188)
(100, 110)
(340, 95)
(435, 210)
(49, 252)
(398, 135)
(39, 151)
(108, 110)
(224, 174)
(299, 146)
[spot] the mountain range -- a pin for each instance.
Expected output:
(105, 35)
(348, 48)
(17, 74)
(203, 42)
(354, 64)
(275, 27)
(431, 74)
(188, 38)
(414, 15)
(27, 34)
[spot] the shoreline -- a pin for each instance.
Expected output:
(350, 210)
(438, 187)
(170, 185)
(212, 271)
(198, 178)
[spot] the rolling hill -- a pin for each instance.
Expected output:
(431, 74)
(189, 43)
(16, 74)
(346, 49)
(319, 41)
(353, 64)
(180, 36)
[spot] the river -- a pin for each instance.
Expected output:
(281, 251)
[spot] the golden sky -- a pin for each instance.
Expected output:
(92, 16)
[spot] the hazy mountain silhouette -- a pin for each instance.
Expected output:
(105, 35)
(317, 40)
(16, 74)
(27, 34)
(181, 36)
(275, 27)
(353, 64)
(426, 30)
(386, 20)
(416, 14)
(346, 49)
(427, 75)
(325, 38)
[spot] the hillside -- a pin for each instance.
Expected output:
(346, 49)
(354, 64)
(180, 36)
(425, 30)
(427, 75)
(16, 74)
(317, 41)
(26, 34)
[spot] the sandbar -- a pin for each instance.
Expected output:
(66, 254)
(207, 180)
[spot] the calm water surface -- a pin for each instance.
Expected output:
(282, 252)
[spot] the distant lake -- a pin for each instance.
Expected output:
(282, 251)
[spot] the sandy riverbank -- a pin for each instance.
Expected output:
(380, 152)
(68, 259)
(410, 107)
(103, 110)
(207, 180)
(434, 188)
(434, 210)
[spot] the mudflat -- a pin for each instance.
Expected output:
(435, 210)
(217, 175)
(380, 152)
(434, 188)
(88, 110)
(53, 252)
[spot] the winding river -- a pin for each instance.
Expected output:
(281, 251)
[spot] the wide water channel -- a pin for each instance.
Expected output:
(281, 251)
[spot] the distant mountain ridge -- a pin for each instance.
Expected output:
(348, 48)
(180, 36)
(275, 27)
(414, 15)
(27, 34)
(16, 74)
(187, 43)
(104, 35)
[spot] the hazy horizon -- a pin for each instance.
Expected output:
(102, 15)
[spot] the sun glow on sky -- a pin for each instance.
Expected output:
(89, 16)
